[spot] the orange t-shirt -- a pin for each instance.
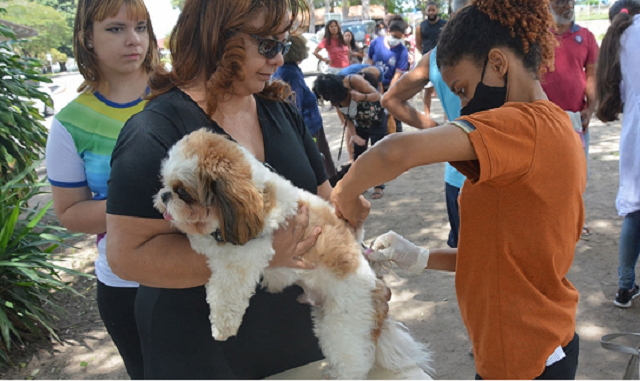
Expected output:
(521, 214)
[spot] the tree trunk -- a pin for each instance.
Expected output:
(312, 17)
(365, 10)
(327, 9)
(63, 67)
(345, 9)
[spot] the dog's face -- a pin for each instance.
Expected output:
(208, 186)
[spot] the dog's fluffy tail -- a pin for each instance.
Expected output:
(398, 351)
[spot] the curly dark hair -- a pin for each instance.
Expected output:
(329, 87)
(397, 24)
(520, 25)
(609, 73)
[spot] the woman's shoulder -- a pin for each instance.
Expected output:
(285, 107)
(284, 113)
(171, 102)
(166, 117)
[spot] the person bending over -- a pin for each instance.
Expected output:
(356, 98)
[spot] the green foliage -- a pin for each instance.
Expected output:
(68, 10)
(56, 56)
(66, 7)
(22, 135)
(52, 27)
(179, 4)
(30, 282)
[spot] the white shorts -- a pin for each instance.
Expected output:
(334, 70)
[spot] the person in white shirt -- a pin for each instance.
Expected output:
(618, 90)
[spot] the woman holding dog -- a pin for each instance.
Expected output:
(511, 264)
(115, 48)
(224, 53)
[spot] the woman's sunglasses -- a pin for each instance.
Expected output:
(270, 48)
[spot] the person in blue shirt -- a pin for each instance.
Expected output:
(390, 54)
(306, 101)
(396, 101)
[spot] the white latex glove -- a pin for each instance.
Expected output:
(391, 246)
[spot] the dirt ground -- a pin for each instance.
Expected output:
(414, 206)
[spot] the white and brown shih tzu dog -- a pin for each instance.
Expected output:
(229, 204)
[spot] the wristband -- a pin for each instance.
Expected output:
(421, 263)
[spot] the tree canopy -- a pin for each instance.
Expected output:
(52, 27)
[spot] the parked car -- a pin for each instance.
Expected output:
(363, 31)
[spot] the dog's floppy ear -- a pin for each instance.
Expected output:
(226, 179)
(241, 209)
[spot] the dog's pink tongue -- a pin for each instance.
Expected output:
(167, 216)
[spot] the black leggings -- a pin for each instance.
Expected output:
(116, 307)
(564, 369)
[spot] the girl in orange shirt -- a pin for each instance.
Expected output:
(521, 208)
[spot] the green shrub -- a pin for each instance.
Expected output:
(22, 135)
(30, 283)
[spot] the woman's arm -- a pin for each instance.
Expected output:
(324, 190)
(355, 138)
(396, 99)
(152, 253)
(78, 212)
(356, 53)
(321, 58)
(361, 89)
(395, 155)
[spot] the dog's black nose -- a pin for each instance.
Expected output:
(166, 197)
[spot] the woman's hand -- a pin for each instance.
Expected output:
(358, 140)
(393, 247)
(328, 61)
(289, 242)
(358, 96)
(353, 210)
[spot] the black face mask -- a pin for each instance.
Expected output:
(486, 97)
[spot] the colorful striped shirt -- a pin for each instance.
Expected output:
(81, 140)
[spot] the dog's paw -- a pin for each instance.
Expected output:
(222, 334)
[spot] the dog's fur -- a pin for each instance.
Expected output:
(213, 184)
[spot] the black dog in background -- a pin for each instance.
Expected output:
(340, 174)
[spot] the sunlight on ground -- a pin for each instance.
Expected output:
(588, 331)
